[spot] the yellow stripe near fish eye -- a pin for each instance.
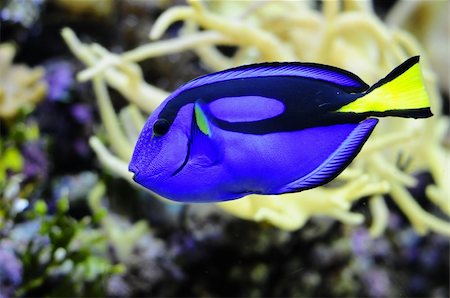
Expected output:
(407, 91)
(201, 120)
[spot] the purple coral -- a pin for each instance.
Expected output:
(82, 113)
(59, 76)
(361, 241)
(36, 162)
(377, 282)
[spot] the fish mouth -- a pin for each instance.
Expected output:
(134, 170)
(136, 176)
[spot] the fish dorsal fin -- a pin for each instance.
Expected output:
(245, 108)
(345, 79)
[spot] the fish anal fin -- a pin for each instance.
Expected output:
(337, 161)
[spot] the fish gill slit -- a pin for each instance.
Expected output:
(188, 153)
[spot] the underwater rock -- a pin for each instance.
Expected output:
(148, 266)
(205, 222)
(94, 7)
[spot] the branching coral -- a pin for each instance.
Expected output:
(19, 84)
(346, 34)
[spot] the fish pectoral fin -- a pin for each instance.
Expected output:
(201, 119)
(202, 161)
(337, 161)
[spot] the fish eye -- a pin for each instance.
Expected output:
(161, 127)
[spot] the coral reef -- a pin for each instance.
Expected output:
(65, 246)
(50, 248)
(73, 224)
(346, 34)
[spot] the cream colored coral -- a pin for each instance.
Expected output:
(20, 85)
(284, 209)
(346, 34)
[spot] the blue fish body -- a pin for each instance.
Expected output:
(267, 128)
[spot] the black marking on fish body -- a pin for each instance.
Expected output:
(308, 102)
(285, 123)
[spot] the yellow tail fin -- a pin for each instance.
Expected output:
(401, 93)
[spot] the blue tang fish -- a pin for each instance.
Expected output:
(269, 128)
